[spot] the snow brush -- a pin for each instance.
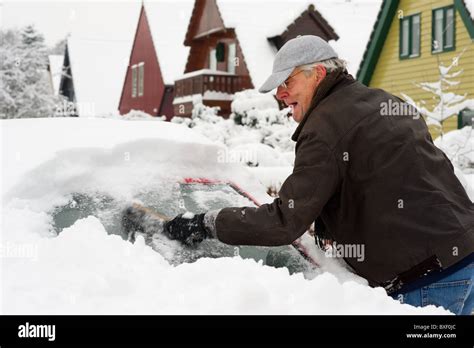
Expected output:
(139, 219)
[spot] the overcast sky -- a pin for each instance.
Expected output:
(55, 19)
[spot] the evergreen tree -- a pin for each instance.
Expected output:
(25, 89)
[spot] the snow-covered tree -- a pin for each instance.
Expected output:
(447, 102)
(59, 48)
(24, 84)
(257, 110)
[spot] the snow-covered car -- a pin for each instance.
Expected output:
(85, 172)
(193, 195)
(174, 171)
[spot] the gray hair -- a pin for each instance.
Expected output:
(330, 64)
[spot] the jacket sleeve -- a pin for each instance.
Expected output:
(301, 198)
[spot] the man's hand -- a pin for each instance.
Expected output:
(188, 230)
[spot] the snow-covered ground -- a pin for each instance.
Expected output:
(86, 270)
(458, 145)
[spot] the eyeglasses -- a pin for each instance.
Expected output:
(285, 83)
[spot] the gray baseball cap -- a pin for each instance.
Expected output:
(305, 49)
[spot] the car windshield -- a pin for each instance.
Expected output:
(177, 198)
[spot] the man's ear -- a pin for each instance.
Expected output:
(320, 72)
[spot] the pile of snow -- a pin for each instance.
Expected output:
(250, 99)
(135, 115)
(85, 270)
(458, 145)
(257, 134)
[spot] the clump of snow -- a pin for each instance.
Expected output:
(188, 215)
(85, 270)
(250, 99)
(458, 145)
(137, 115)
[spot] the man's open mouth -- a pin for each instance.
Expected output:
(292, 106)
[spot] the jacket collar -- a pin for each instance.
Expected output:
(325, 88)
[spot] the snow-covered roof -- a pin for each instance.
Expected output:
(55, 69)
(203, 72)
(98, 70)
(255, 21)
(168, 21)
(470, 7)
(99, 54)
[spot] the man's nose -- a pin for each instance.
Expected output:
(282, 93)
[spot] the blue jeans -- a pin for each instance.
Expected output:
(454, 292)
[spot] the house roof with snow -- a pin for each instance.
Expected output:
(381, 28)
(98, 69)
(168, 20)
(97, 55)
(256, 21)
(55, 66)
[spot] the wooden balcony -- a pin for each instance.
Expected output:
(201, 81)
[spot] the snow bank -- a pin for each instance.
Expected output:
(458, 145)
(85, 270)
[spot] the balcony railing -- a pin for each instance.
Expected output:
(198, 82)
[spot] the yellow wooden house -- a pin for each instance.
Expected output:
(410, 40)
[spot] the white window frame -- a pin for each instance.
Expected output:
(212, 59)
(134, 81)
(141, 78)
(231, 58)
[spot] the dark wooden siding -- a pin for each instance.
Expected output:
(210, 20)
(154, 89)
(310, 22)
(167, 103)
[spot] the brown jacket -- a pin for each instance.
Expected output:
(373, 180)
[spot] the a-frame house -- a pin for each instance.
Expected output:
(157, 58)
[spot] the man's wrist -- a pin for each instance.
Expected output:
(210, 223)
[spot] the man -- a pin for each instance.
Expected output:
(367, 178)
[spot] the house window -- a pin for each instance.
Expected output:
(212, 59)
(141, 81)
(220, 52)
(231, 61)
(443, 29)
(465, 118)
(410, 33)
(134, 81)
